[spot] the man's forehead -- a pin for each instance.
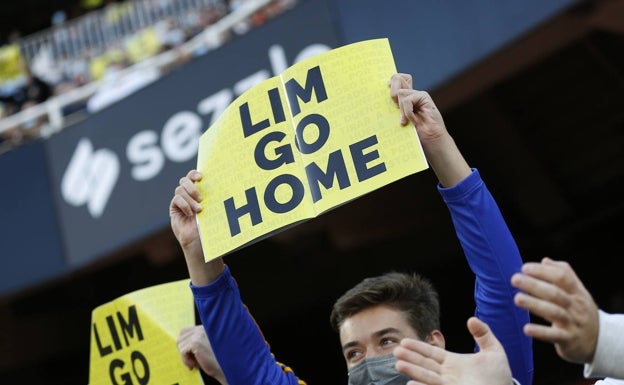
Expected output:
(374, 321)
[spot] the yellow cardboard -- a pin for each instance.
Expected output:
(133, 338)
(258, 179)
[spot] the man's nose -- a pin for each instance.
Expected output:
(373, 352)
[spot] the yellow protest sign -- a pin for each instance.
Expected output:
(320, 134)
(133, 338)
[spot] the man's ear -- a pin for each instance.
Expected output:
(436, 338)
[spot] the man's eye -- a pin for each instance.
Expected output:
(351, 354)
(388, 341)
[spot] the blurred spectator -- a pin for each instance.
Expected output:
(34, 90)
(58, 17)
(29, 130)
(170, 34)
(119, 82)
(12, 75)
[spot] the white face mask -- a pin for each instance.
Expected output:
(377, 371)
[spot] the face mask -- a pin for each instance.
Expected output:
(377, 371)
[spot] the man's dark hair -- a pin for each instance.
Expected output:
(410, 293)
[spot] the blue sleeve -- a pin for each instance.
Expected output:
(494, 257)
(236, 339)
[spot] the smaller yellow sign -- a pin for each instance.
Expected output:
(134, 337)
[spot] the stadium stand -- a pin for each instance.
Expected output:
(80, 66)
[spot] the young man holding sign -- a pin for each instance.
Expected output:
(370, 330)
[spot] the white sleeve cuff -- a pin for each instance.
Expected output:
(609, 348)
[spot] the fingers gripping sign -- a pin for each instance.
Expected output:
(184, 205)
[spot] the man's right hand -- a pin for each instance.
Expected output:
(183, 208)
(184, 205)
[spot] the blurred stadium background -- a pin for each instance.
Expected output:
(102, 103)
